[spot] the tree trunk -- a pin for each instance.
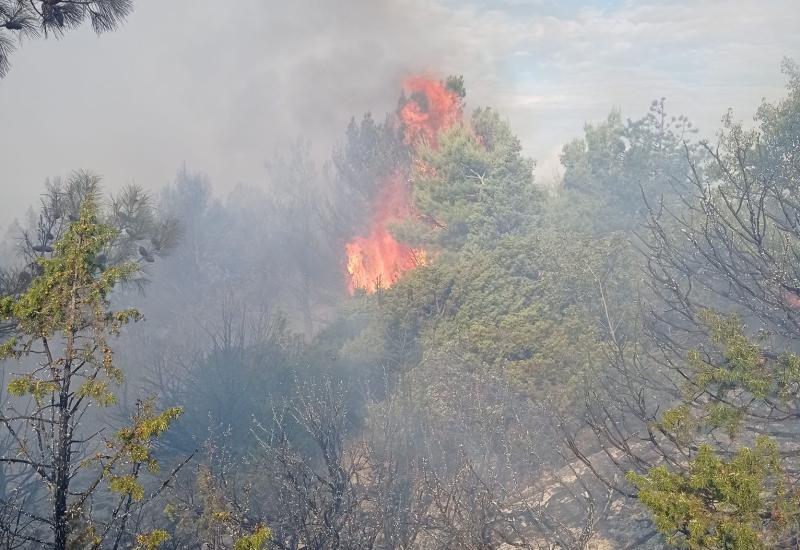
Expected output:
(62, 465)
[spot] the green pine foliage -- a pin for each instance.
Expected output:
(63, 325)
(736, 504)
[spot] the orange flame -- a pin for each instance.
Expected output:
(378, 260)
(430, 109)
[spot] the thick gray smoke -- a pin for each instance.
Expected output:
(218, 85)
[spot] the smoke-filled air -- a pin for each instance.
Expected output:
(399, 275)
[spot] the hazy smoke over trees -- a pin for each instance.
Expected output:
(225, 87)
(359, 314)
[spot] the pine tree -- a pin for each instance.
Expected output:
(61, 343)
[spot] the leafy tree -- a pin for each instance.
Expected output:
(512, 309)
(474, 185)
(456, 84)
(24, 19)
(189, 199)
(62, 326)
(306, 230)
(257, 540)
(607, 171)
(249, 358)
(705, 405)
(369, 153)
(141, 231)
(500, 293)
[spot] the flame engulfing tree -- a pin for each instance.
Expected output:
(376, 260)
(61, 471)
(31, 18)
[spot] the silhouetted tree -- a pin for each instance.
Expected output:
(31, 18)
(141, 233)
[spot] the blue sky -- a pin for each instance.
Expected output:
(220, 86)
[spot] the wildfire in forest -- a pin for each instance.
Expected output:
(377, 260)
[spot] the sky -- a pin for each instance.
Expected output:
(219, 86)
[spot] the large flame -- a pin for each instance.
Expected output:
(431, 108)
(377, 260)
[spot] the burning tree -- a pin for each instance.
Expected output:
(378, 259)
